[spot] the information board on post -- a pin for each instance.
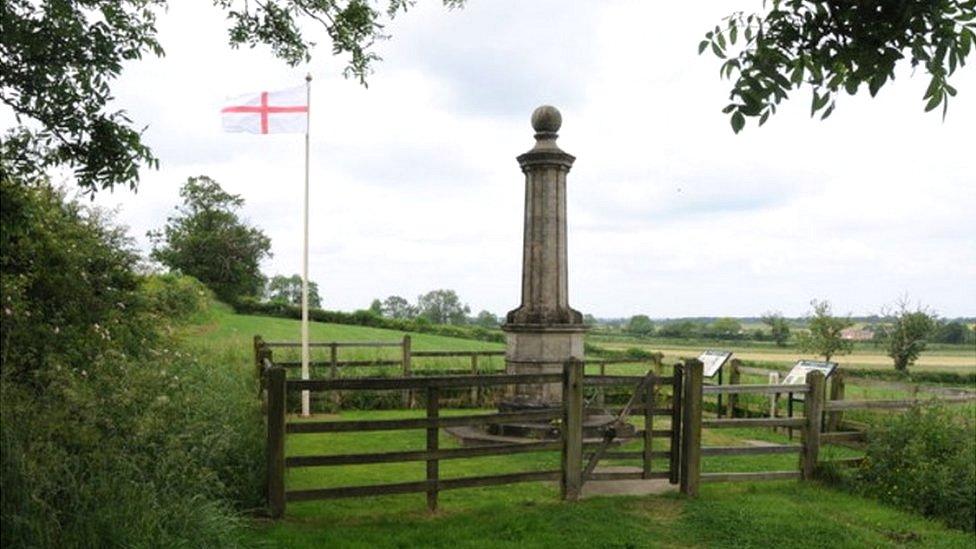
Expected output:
(713, 361)
(798, 374)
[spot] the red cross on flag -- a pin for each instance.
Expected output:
(284, 111)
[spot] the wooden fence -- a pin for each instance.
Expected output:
(579, 457)
(576, 467)
(334, 365)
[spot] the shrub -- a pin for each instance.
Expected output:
(69, 288)
(176, 297)
(924, 460)
(108, 437)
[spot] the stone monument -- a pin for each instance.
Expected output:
(544, 331)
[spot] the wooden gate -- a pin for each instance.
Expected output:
(645, 398)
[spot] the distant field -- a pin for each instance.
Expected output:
(962, 360)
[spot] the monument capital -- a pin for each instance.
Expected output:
(546, 121)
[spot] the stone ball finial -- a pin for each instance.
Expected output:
(546, 120)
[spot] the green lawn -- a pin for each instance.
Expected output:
(783, 513)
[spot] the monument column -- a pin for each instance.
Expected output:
(544, 331)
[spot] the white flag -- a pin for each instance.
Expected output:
(284, 111)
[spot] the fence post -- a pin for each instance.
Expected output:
(475, 389)
(836, 393)
(264, 353)
(334, 372)
(258, 344)
(773, 398)
(676, 388)
(691, 425)
(407, 394)
(571, 480)
(649, 404)
(433, 410)
(813, 410)
(601, 392)
(276, 441)
(734, 379)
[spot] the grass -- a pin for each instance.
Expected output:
(530, 514)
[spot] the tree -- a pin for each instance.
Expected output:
(442, 307)
(288, 289)
(640, 325)
(834, 46)
(823, 337)
(206, 239)
(682, 329)
(376, 307)
(779, 328)
(486, 319)
(725, 328)
(59, 59)
(907, 336)
(954, 332)
(397, 307)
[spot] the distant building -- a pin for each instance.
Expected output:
(857, 334)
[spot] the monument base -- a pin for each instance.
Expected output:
(539, 349)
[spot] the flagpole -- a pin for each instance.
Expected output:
(305, 353)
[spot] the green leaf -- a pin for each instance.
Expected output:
(875, 83)
(764, 118)
(733, 33)
(738, 121)
(701, 46)
(827, 112)
(933, 87)
(933, 101)
(818, 102)
(796, 77)
(718, 52)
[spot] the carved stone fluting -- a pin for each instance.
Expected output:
(544, 331)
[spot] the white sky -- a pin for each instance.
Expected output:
(415, 184)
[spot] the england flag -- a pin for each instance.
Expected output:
(284, 111)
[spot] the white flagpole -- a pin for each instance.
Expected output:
(305, 353)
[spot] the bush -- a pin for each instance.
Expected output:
(69, 286)
(924, 460)
(176, 297)
(108, 437)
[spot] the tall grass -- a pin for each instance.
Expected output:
(165, 452)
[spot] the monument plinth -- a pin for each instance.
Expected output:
(544, 331)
